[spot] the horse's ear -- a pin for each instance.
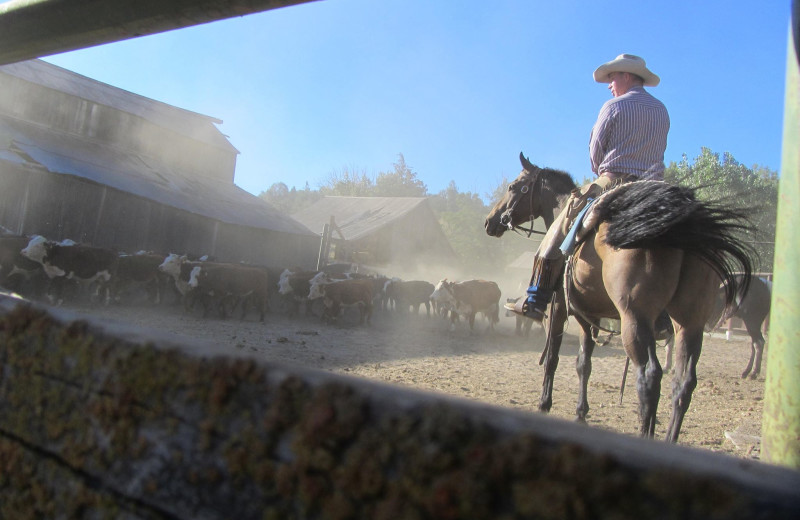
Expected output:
(526, 164)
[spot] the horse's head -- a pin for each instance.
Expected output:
(520, 204)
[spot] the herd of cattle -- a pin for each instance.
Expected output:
(58, 272)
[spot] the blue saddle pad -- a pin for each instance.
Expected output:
(570, 242)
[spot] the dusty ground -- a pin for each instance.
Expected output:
(494, 367)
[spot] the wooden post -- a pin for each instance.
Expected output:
(35, 28)
(324, 245)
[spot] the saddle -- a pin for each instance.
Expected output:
(581, 217)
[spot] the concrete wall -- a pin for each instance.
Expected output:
(104, 421)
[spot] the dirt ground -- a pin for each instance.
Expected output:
(492, 367)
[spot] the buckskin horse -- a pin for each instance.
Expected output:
(654, 248)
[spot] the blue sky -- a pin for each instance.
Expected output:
(459, 87)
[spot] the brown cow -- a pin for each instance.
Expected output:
(468, 298)
(410, 294)
(233, 284)
(347, 293)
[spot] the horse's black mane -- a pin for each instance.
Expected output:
(559, 180)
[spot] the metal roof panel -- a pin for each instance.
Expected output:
(147, 177)
(357, 217)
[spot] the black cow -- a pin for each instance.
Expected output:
(67, 260)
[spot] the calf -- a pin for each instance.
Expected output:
(410, 294)
(468, 298)
(233, 284)
(68, 260)
(347, 293)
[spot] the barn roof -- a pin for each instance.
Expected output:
(197, 126)
(62, 153)
(358, 217)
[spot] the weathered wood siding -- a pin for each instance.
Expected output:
(64, 206)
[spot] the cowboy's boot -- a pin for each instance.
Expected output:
(546, 276)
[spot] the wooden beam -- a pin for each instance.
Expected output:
(117, 420)
(34, 28)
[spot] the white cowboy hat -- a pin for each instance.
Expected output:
(626, 63)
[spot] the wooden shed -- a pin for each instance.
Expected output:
(387, 233)
(87, 161)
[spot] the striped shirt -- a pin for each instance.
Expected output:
(630, 136)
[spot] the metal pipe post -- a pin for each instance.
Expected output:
(781, 422)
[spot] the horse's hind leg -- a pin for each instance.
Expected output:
(640, 345)
(669, 346)
(756, 350)
(688, 350)
(583, 365)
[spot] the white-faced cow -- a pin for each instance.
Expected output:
(468, 298)
(410, 294)
(68, 260)
(179, 267)
(17, 272)
(293, 287)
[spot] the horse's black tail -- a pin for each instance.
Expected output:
(657, 214)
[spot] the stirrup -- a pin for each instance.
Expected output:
(533, 306)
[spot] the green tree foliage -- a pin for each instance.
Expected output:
(725, 180)
(400, 182)
(290, 200)
(461, 216)
(349, 183)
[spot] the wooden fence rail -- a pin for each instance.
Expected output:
(107, 421)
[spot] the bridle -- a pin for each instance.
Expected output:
(505, 218)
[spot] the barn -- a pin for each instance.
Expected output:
(87, 161)
(389, 234)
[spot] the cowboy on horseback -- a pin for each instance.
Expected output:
(627, 143)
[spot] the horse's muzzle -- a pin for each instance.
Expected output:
(495, 227)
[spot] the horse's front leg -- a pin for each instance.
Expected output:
(583, 365)
(759, 348)
(688, 347)
(555, 333)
